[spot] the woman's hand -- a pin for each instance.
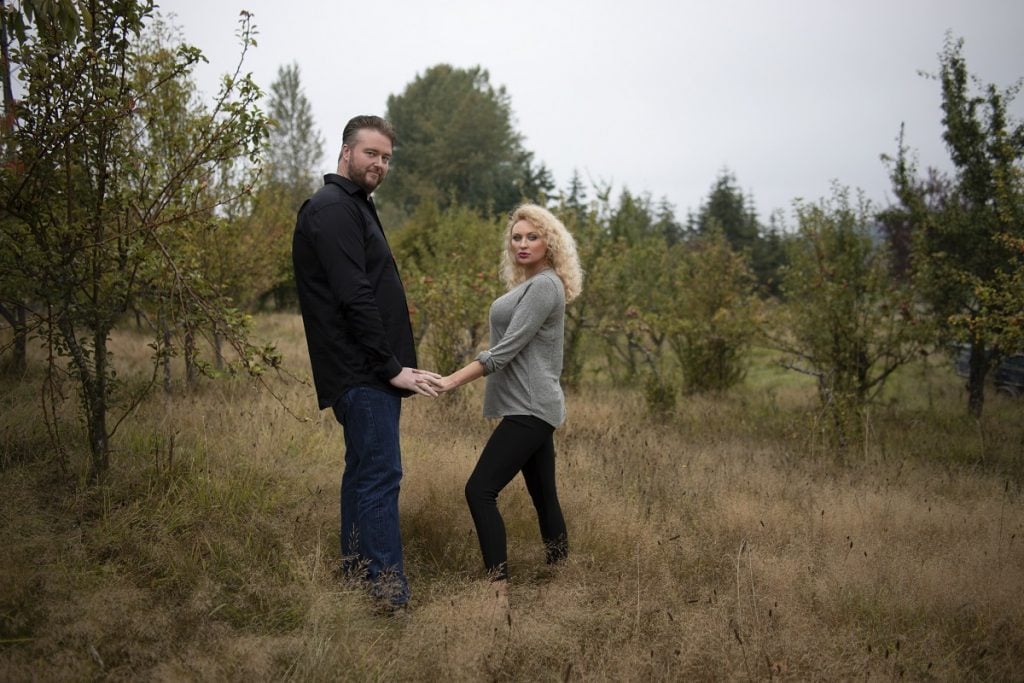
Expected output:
(473, 371)
(442, 384)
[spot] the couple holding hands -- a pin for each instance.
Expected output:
(363, 357)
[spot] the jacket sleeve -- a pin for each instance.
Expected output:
(532, 309)
(340, 243)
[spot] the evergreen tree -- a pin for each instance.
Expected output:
(537, 183)
(293, 153)
(295, 147)
(665, 223)
(457, 145)
(575, 196)
(728, 209)
(769, 256)
(632, 220)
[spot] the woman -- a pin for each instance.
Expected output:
(542, 270)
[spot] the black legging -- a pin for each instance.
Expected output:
(519, 443)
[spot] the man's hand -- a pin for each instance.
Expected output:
(414, 379)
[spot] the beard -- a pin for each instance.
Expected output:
(364, 179)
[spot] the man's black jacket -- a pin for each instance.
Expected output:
(351, 296)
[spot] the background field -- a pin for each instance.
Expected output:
(723, 541)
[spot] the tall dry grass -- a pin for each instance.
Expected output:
(724, 541)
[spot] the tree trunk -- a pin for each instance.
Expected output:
(166, 359)
(20, 341)
(97, 406)
(190, 357)
(218, 352)
(979, 363)
(17, 319)
(94, 383)
(573, 372)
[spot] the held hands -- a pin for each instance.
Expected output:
(473, 371)
(419, 381)
(442, 384)
(428, 383)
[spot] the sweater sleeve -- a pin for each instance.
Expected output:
(532, 309)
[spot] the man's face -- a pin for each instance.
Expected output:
(366, 162)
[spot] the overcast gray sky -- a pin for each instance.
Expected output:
(654, 95)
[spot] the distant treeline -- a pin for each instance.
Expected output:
(127, 196)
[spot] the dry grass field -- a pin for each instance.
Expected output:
(724, 541)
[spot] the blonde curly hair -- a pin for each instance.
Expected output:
(561, 252)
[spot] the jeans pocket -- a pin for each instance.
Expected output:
(340, 407)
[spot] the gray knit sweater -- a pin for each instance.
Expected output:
(525, 359)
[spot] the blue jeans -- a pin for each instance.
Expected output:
(371, 540)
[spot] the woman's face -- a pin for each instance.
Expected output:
(529, 249)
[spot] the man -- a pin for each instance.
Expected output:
(361, 348)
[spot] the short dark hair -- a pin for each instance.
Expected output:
(358, 123)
